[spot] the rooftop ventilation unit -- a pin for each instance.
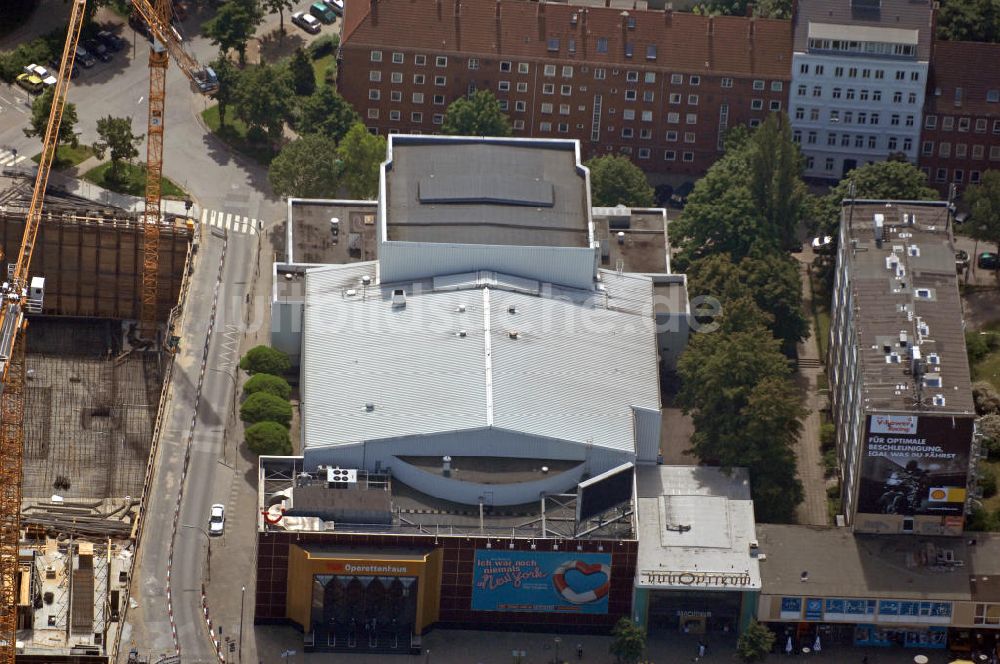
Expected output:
(938, 400)
(512, 334)
(366, 280)
(337, 477)
(879, 223)
(398, 298)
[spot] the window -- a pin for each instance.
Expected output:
(473, 63)
(643, 153)
(894, 119)
(911, 98)
(677, 79)
(632, 76)
(396, 95)
(647, 116)
(649, 77)
(927, 148)
(727, 82)
(669, 155)
(996, 126)
(850, 93)
(900, 75)
(848, 117)
(567, 71)
(549, 70)
(563, 109)
(519, 106)
(875, 118)
(852, 72)
(376, 56)
(440, 80)
(814, 114)
(648, 95)
(831, 139)
(909, 120)
(987, 614)
(691, 118)
(944, 149)
(503, 104)
(947, 123)
(801, 91)
(397, 77)
(828, 165)
(892, 143)
(420, 60)
(374, 95)
(897, 97)
(811, 138)
(863, 95)
(548, 88)
(675, 97)
(835, 94)
(756, 104)
(646, 133)
(845, 140)
(599, 73)
(673, 118)
(563, 128)
(544, 126)
(692, 100)
(441, 61)
(800, 113)
(977, 151)
(628, 114)
(838, 72)
(373, 114)
(804, 68)
(546, 108)
(753, 123)
(866, 73)
(439, 100)
(523, 68)
(375, 75)
(930, 122)
(993, 96)
(416, 116)
(834, 116)
(862, 118)
(876, 95)
(503, 86)
(775, 105)
(961, 149)
(819, 70)
(873, 142)
(995, 153)
(907, 144)
(879, 74)
(630, 95)
(776, 86)
(394, 116)
(689, 137)
(671, 136)
(626, 132)
(397, 58)
(797, 136)
(974, 177)
(981, 126)
(519, 125)
(602, 44)
(963, 124)
(552, 44)
(694, 80)
(522, 86)
(758, 85)
(942, 175)
(688, 156)
(438, 118)
(810, 162)
(505, 65)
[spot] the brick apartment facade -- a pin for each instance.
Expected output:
(961, 125)
(659, 86)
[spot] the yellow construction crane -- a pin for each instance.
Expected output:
(20, 297)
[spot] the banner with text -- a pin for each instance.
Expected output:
(543, 582)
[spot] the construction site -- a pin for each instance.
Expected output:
(92, 397)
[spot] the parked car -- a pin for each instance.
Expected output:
(112, 41)
(98, 49)
(73, 73)
(680, 196)
(307, 22)
(961, 260)
(662, 193)
(84, 57)
(823, 244)
(30, 82)
(323, 12)
(217, 519)
(42, 73)
(336, 5)
(988, 261)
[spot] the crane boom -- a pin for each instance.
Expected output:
(12, 322)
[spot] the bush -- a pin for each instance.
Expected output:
(264, 359)
(829, 463)
(268, 384)
(989, 427)
(324, 46)
(263, 407)
(983, 520)
(988, 481)
(268, 438)
(755, 642)
(986, 398)
(976, 346)
(827, 436)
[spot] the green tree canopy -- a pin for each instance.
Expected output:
(307, 168)
(326, 112)
(268, 438)
(264, 359)
(885, 180)
(478, 115)
(361, 154)
(264, 407)
(272, 6)
(115, 137)
(41, 107)
(268, 383)
(228, 93)
(628, 641)
(969, 20)
(233, 26)
(755, 642)
(303, 79)
(265, 99)
(615, 180)
(774, 179)
(983, 201)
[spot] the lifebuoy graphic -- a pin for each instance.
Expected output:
(272, 520)
(575, 596)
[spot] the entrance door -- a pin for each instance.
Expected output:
(849, 165)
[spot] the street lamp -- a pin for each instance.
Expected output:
(208, 576)
(557, 642)
(243, 594)
(232, 378)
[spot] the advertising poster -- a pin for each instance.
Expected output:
(915, 465)
(542, 582)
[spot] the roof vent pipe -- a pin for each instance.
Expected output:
(512, 334)
(398, 298)
(446, 466)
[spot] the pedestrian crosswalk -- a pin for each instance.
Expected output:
(231, 222)
(9, 159)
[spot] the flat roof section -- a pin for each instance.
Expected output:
(632, 239)
(313, 238)
(447, 191)
(841, 564)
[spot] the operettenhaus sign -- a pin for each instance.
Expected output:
(669, 579)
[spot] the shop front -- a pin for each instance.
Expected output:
(694, 603)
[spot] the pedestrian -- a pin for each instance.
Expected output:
(579, 651)
(701, 649)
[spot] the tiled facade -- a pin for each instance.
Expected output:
(567, 81)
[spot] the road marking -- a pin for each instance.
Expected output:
(10, 160)
(229, 220)
(236, 223)
(140, 100)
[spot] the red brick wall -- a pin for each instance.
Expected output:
(456, 583)
(967, 151)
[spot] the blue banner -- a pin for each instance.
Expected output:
(541, 582)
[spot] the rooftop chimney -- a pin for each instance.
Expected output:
(753, 24)
(398, 298)
(749, 9)
(668, 14)
(711, 26)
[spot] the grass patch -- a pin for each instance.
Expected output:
(993, 502)
(820, 314)
(133, 182)
(234, 134)
(988, 369)
(67, 156)
(320, 66)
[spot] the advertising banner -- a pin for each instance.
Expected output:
(915, 465)
(542, 582)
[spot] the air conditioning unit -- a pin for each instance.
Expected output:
(337, 476)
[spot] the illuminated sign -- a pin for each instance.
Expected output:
(702, 579)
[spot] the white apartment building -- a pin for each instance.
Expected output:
(859, 72)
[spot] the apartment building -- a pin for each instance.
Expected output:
(659, 86)
(859, 73)
(899, 376)
(961, 134)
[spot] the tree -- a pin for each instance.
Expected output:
(268, 438)
(615, 180)
(303, 79)
(264, 359)
(229, 82)
(306, 167)
(755, 642)
(326, 112)
(271, 6)
(983, 201)
(265, 95)
(361, 154)
(234, 25)
(478, 115)
(774, 178)
(115, 135)
(40, 109)
(886, 180)
(269, 384)
(628, 641)
(264, 407)
(969, 20)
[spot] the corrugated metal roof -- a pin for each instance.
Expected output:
(573, 372)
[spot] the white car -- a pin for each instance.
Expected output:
(307, 22)
(336, 5)
(42, 73)
(217, 520)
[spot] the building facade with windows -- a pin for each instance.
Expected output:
(859, 73)
(658, 86)
(961, 134)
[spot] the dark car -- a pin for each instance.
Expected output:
(98, 49)
(988, 261)
(54, 66)
(663, 192)
(112, 41)
(680, 196)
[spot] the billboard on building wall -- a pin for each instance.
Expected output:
(914, 465)
(541, 582)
